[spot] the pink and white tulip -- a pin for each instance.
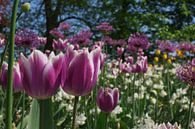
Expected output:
(40, 74)
(80, 71)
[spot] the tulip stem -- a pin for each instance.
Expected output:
(46, 115)
(106, 122)
(102, 121)
(75, 112)
(133, 99)
(190, 108)
(9, 92)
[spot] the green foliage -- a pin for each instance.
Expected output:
(33, 118)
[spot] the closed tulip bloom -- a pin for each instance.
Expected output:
(17, 84)
(120, 50)
(40, 74)
(107, 99)
(80, 71)
(141, 65)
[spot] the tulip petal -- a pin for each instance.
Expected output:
(115, 93)
(17, 78)
(25, 68)
(37, 61)
(48, 78)
(96, 55)
(100, 93)
(70, 54)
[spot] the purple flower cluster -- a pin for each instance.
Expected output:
(185, 46)
(186, 73)
(26, 38)
(105, 27)
(166, 46)
(108, 40)
(138, 41)
(60, 44)
(82, 38)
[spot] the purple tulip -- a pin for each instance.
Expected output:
(120, 51)
(40, 74)
(59, 44)
(107, 99)
(17, 84)
(141, 66)
(80, 71)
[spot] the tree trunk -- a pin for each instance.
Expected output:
(51, 22)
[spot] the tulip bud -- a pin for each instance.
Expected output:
(17, 83)
(157, 52)
(169, 61)
(150, 65)
(26, 7)
(156, 59)
(107, 99)
(165, 56)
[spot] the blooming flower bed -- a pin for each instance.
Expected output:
(104, 84)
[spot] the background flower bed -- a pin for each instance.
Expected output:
(147, 99)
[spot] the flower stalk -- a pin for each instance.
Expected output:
(103, 120)
(190, 108)
(9, 92)
(75, 112)
(46, 116)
